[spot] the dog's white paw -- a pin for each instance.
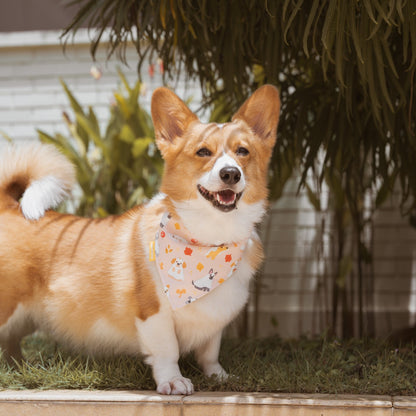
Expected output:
(216, 370)
(177, 385)
(221, 375)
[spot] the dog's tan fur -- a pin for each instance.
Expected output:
(90, 282)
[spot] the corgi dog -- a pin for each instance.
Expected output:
(92, 283)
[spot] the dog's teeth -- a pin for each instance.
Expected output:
(222, 202)
(219, 200)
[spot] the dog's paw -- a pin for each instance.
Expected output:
(216, 370)
(221, 375)
(177, 385)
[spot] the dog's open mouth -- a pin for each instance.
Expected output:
(225, 200)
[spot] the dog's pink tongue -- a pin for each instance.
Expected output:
(227, 196)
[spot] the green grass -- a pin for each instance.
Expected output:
(269, 365)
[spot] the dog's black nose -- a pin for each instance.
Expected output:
(230, 175)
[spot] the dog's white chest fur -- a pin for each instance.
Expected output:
(199, 321)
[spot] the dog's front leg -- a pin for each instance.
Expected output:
(160, 345)
(207, 357)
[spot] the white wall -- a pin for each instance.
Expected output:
(297, 278)
(31, 98)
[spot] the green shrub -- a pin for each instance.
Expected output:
(118, 168)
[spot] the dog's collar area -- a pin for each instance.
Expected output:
(225, 200)
(189, 270)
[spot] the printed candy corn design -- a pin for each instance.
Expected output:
(190, 270)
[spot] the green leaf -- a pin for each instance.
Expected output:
(6, 136)
(101, 212)
(127, 134)
(73, 101)
(140, 146)
(136, 197)
(88, 126)
(308, 26)
(123, 105)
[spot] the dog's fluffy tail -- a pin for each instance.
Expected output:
(36, 176)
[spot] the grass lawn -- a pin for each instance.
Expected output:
(268, 365)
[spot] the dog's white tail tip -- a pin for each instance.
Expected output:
(42, 194)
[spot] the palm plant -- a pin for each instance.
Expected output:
(346, 71)
(345, 68)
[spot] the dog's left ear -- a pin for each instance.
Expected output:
(170, 117)
(261, 113)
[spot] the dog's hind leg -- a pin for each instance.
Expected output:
(12, 331)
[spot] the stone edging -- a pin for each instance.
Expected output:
(126, 403)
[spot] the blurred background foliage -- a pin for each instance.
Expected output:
(345, 70)
(116, 168)
(346, 74)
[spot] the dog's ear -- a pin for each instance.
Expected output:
(261, 113)
(170, 117)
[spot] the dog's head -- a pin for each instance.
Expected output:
(179, 262)
(216, 169)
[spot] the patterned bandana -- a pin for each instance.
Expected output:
(189, 270)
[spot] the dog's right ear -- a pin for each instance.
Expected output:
(170, 115)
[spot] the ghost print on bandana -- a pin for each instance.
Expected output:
(189, 270)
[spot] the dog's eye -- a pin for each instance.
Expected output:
(242, 151)
(204, 152)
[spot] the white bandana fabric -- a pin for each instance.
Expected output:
(189, 270)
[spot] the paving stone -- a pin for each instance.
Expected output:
(404, 406)
(143, 403)
(234, 404)
(87, 403)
